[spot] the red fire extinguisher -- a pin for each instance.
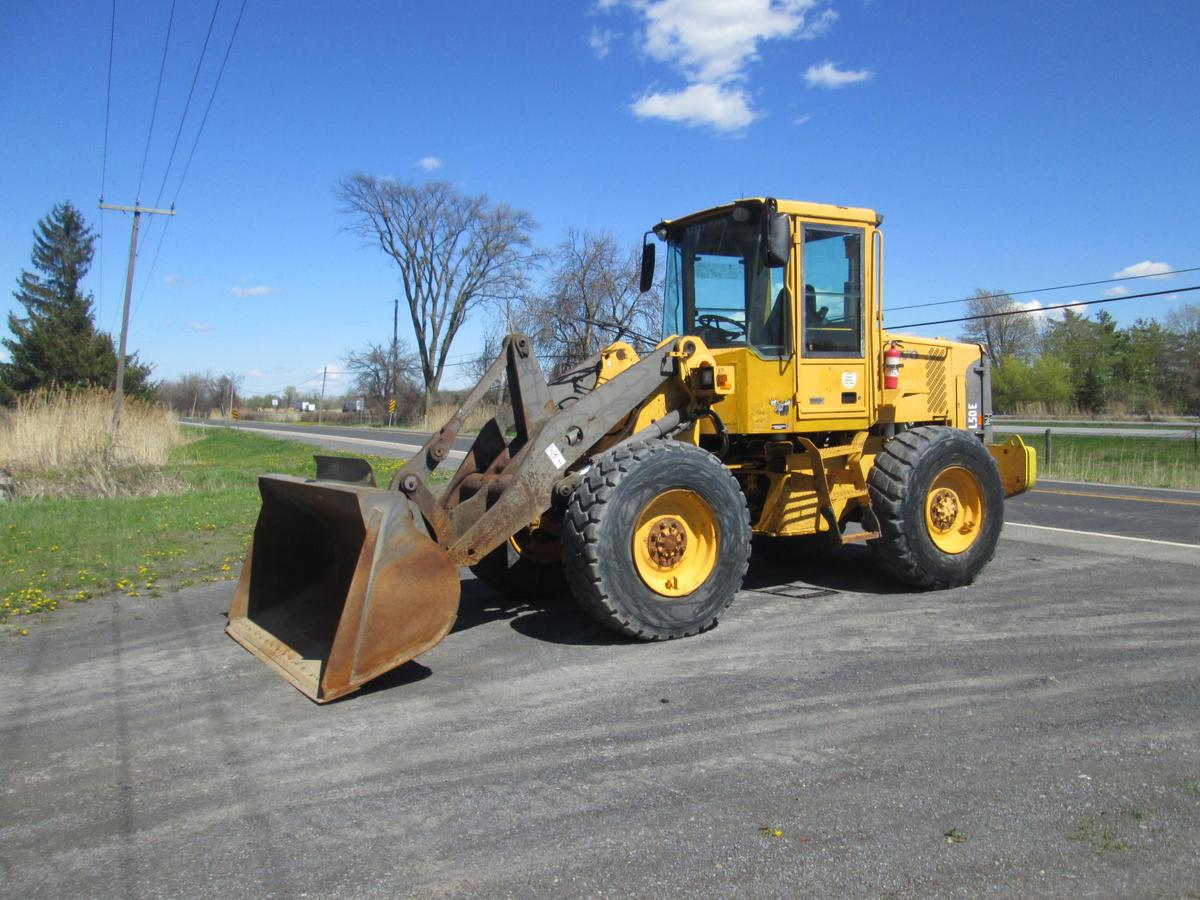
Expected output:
(891, 365)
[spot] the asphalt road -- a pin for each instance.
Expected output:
(388, 442)
(1047, 716)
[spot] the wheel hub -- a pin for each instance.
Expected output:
(943, 509)
(666, 543)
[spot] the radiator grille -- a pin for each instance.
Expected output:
(935, 378)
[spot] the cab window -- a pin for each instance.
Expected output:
(719, 289)
(831, 314)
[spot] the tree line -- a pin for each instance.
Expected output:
(1087, 365)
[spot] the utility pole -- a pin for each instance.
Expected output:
(395, 353)
(137, 209)
(321, 405)
(231, 376)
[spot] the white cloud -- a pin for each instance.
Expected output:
(711, 43)
(800, 120)
(601, 41)
(253, 373)
(1119, 291)
(828, 75)
(171, 278)
(430, 163)
(259, 290)
(725, 109)
(199, 326)
(1153, 269)
(1035, 306)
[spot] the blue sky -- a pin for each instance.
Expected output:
(1009, 145)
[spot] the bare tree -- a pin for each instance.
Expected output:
(378, 372)
(225, 392)
(1001, 335)
(454, 252)
(1184, 319)
(188, 393)
(591, 299)
(383, 373)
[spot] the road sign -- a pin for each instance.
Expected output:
(235, 413)
(391, 406)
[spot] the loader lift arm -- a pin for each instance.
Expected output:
(505, 483)
(345, 581)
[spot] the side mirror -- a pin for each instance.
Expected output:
(647, 279)
(779, 240)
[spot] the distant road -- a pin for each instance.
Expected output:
(388, 442)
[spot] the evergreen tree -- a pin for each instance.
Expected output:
(56, 344)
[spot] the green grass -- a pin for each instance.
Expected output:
(1142, 461)
(68, 550)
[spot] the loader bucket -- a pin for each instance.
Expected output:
(342, 584)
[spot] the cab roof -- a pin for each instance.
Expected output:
(802, 208)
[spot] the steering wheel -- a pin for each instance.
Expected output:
(712, 320)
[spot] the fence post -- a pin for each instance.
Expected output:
(1049, 452)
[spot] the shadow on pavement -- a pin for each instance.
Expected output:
(557, 619)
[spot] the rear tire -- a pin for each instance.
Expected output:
(940, 503)
(656, 540)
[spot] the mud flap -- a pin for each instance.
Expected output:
(342, 583)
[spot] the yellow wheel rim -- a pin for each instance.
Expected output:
(954, 510)
(675, 543)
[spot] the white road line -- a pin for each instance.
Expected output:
(285, 435)
(1101, 534)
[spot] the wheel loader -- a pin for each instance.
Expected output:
(777, 406)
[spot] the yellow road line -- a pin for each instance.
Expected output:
(1038, 490)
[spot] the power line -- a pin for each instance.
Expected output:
(162, 236)
(1060, 287)
(157, 91)
(187, 105)
(171, 159)
(211, 98)
(1019, 312)
(195, 143)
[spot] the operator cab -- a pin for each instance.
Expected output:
(723, 282)
(727, 281)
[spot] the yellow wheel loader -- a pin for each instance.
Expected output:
(778, 406)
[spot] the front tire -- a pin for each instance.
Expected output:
(656, 540)
(939, 500)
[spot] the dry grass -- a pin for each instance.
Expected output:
(1136, 468)
(1113, 410)
(60, 442)
(440, 413)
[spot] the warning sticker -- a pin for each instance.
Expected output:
(556, 456)
(849, 379)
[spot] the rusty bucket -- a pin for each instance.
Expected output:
(342, 584)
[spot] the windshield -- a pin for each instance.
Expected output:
(718, 288)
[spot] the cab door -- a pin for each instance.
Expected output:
(833, 375)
